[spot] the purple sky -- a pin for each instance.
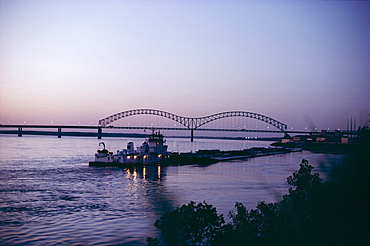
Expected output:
(299, 62)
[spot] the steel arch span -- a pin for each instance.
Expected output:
(192, 123)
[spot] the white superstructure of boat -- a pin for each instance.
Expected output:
(153, 150)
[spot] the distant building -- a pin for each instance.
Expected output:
(286, 139)
(323, 136)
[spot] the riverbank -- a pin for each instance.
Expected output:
(321, 147)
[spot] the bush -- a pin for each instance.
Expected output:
(192, 224)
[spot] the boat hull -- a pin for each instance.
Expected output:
(118, 164)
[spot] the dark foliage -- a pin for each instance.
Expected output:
(312, 213)
(192, 224)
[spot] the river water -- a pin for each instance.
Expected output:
(49, 195)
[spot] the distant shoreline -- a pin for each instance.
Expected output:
(127, 135)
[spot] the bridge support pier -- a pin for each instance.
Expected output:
(192, 135)
(19, 131)
(99, 133)
(59, 132)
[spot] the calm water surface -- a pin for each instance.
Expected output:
(49, 195)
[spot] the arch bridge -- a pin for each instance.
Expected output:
(192, 123)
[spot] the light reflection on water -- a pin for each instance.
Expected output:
(49, 194)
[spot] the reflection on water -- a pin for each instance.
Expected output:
(151, 172)
(49, 194)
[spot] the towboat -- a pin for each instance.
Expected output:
(153, 150)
